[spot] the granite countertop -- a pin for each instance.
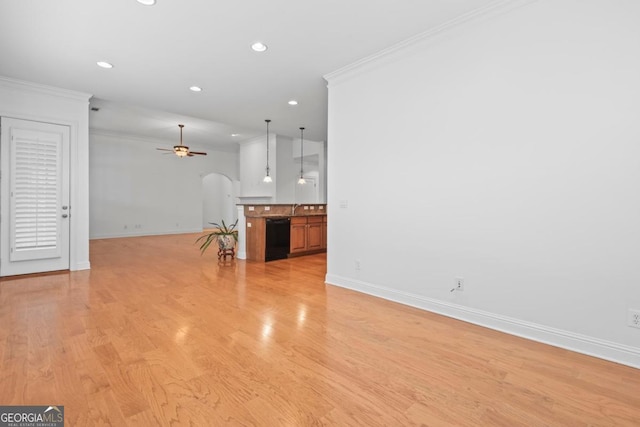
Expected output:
(279, 215)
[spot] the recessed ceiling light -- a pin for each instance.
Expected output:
(147, 2)
(293, 102)
(104, 64)
(195, 89)
(259, 47)
(235, 134)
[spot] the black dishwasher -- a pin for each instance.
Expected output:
(277, 241)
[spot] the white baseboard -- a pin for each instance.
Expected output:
(145, 233)
(81, 266)
(579, 343)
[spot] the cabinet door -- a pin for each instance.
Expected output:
(314, 234)
(298, 235)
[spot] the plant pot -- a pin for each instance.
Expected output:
(226, 246)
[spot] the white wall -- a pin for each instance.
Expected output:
(505, 151)
(314, 168)
(253, 162)
(29, 101)
(284, 162)
(218, 200)
(287, 171)
(137, 190)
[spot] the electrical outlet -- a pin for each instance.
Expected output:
(633, 318)
(459, 284)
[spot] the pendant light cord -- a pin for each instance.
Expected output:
(301, 152)
(268, 121)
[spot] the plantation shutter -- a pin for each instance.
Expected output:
(35, 195)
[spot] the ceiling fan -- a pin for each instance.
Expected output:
(182, 150)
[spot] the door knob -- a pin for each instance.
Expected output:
(64, 215)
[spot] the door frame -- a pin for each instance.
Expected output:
(40, 103)
(35, 265)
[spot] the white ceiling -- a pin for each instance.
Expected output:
(158, 52)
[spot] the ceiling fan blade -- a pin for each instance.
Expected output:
(200, 153)
(164, 149)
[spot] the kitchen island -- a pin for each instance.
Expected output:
(266, 238)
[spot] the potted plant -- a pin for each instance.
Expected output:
(225, 235)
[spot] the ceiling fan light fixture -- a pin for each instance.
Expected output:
(181, 150)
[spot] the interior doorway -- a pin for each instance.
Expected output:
(218, 200)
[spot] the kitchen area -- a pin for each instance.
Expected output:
(278, 231)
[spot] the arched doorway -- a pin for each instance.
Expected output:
(218, 200)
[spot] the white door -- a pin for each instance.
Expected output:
(35, 211)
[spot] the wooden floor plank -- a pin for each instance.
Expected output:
(156, 334)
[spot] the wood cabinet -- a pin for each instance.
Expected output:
(256, 239)
(308, 233)
(298, 234)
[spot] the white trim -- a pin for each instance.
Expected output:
(579, 343)
(146, 233)
(419, 41)
(81, 266)
(47, 90)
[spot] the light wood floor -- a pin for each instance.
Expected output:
(155, 334)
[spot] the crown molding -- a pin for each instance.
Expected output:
(420, 41)
(114, 134)
(43, 89)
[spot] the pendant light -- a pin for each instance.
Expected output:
(267, 177)
(301, 180)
